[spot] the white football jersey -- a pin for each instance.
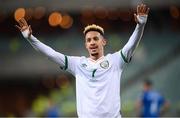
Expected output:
(97, 85)
(97, 82)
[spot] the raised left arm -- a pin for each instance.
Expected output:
(140, 18)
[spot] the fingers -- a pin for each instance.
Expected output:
(138, 9)
(147, 11)
(142, 9)
(19, 28)
(20, 23)
(30, 30)
(135, 18)
(23, 22)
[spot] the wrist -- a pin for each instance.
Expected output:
(142, 19)
(25, 34)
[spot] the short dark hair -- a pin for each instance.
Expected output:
(148, 82)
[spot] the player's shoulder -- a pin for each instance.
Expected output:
(76, 59)
(114, 55)
(155, 94)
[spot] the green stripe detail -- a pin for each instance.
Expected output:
(124, 58)
(66, 64)
(93, 72)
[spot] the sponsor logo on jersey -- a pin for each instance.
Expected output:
(104, 64)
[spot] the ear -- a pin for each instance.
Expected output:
(104, 42)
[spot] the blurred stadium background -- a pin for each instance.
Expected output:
(31, 85)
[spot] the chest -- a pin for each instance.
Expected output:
(95, 70)
(90, 66)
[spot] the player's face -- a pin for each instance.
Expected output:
(95, 43)
(146, 87)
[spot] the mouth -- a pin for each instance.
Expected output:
(93, 47)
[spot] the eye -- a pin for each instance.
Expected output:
(88, 40)
(96, 38)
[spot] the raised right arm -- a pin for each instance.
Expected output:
(39, 46)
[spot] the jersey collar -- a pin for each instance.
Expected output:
(95, 61)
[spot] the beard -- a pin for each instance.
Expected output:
(94, 52)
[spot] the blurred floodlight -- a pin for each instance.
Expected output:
(101, 12)
(62, 81)
(67, 21)
(174, 11)
(48, 82)
(39, 12)
(19, 13)
(125, 15)
(87, 12)
(113, 14)
(29, 13)
(55, 19)
(87, 16)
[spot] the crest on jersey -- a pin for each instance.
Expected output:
(104, 64)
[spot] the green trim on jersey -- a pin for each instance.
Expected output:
(93, 72)
(66, 63)
(124, 58)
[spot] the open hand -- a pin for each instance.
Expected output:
(142, 11)
(24, 26)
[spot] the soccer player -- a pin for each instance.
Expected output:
(151, 103)
(97, 76)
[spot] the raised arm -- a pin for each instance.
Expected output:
(140, 18)
(39, 46)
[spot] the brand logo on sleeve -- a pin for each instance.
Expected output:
(84, 65)
(104, 64)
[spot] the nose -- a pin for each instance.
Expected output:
(92, 42)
